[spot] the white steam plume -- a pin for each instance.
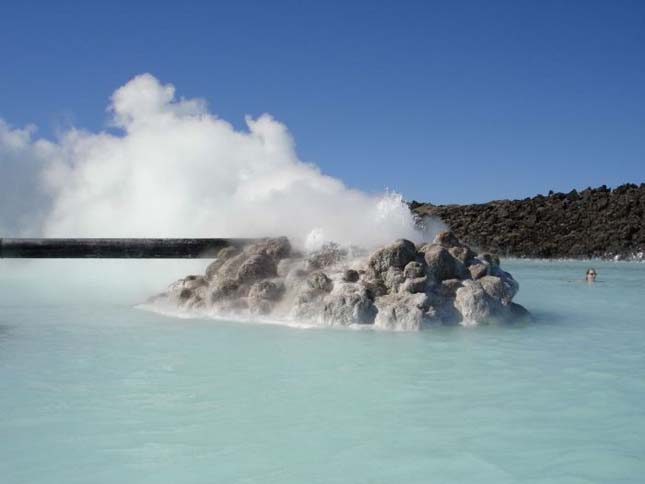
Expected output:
(177, 170)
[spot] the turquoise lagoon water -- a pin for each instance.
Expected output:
(93, 390)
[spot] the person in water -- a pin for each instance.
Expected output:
(591, 275)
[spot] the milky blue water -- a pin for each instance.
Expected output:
(93, 390)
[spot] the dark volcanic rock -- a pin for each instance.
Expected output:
(396, 255)
(266, 290)
(351, 304)
(318, 281)
(278, 248)
(259, 266)
(263, 295)
(222, 256)
(413, 270)
(350, 275)
(595, 222)
(477, 271)
(224, 288)
(441, 265)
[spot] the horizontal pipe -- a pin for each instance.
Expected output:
(116, 248)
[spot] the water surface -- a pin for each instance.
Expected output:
(94, 390)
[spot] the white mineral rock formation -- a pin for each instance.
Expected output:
(398, 287)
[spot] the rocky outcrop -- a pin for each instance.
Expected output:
(398, 287)
(402, 311)
(598, 222)
(348, 304)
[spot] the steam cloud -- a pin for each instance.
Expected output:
(176, 170)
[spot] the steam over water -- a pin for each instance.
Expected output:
(170, 168)
(92, 390)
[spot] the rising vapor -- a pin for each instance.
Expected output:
(173, 169)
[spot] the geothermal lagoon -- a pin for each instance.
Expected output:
(95, 389)
(407, 197)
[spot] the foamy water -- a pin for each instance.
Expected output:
(94, 390)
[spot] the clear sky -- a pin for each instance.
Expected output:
(462, 101)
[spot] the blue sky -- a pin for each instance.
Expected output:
(448, 102)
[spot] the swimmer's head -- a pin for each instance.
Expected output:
(591, 275)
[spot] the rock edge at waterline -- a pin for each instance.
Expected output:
(401, 286)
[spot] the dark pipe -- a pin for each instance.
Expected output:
(116, 248)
